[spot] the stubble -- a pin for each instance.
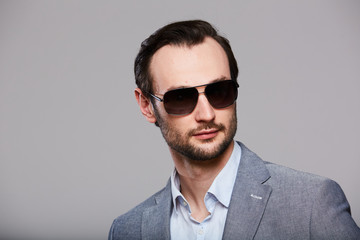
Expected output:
(180, 141)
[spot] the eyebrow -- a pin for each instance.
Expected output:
(222, 78)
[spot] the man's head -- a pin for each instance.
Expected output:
(186, 33)
(191, 56)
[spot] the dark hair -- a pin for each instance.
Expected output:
(187, 33)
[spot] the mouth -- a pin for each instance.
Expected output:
(206, 134)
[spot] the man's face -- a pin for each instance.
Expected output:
(206, 132)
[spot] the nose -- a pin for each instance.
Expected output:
(204, 112)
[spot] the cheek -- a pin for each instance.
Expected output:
(181, 124)
(227, 116)
(225, 113)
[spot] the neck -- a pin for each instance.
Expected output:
(196, 178)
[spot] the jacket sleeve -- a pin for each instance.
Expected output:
(111, 232)
(330, 214)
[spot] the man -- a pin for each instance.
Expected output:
(187, 85)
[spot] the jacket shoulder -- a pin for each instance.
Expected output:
(128, 225)
(280, 173)
(316, 201)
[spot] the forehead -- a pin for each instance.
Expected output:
(182, 66)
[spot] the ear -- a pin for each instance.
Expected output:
(145, 105)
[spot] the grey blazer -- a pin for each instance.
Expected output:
(268, 202)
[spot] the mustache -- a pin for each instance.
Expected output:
(204, 126)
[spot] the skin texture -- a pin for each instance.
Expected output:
(201, 142)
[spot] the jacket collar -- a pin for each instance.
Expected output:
(249, 197)
(156, 219)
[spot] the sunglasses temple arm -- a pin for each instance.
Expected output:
(156, 97)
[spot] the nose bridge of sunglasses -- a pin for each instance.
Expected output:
(201, 89)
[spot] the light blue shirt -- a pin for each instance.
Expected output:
(217, 200)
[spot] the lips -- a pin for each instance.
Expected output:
(206, 134)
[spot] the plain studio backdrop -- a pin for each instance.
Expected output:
(75, 151)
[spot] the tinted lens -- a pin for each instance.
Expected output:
(221, 94)
(180, 101)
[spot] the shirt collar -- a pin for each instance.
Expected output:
(222, 185)
(175, 187)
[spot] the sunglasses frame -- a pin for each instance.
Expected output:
(162, 99)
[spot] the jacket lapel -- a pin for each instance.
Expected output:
(249, 197)
(156, 219)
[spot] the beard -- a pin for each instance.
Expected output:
(179, 141)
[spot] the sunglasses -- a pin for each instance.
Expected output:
(183, 101)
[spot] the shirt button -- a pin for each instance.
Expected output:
(184, 204)
(200, 232)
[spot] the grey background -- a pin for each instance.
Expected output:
(75, 152)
